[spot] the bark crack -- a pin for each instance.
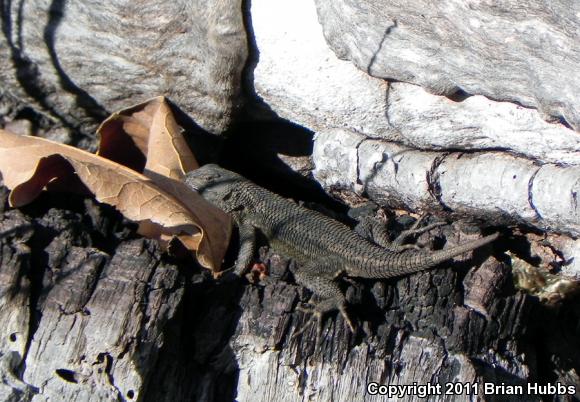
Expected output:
(433, 184)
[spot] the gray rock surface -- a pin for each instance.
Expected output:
(79, 61)
(525, 52)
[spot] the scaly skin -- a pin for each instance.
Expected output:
(325, 248)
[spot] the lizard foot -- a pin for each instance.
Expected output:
(413, 230)
(318, 312)
(257, 273)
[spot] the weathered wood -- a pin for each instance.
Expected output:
(518, 51)
(85, 306)
(79, 61)
(447, 325)
(15, 292)
(89, 312)
(496, 187)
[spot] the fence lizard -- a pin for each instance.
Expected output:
(324, 248)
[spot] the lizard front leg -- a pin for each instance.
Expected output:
(247, 234)
(320, 277)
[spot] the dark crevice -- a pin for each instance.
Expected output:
(27, 74)
(106, 361)
(565, 123)
(458, 96)
(144, 302)
(358, 178)
(531, 194)
(94, 284)
(38, 264)
(67, 375)
(386, 33)
(388, 103)
(28, 113)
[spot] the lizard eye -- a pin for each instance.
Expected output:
(212, 176)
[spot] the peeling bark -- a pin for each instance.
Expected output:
(496, 187)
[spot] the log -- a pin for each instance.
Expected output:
(492, 186)
(91, 312)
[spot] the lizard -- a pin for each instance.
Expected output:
(324, 248)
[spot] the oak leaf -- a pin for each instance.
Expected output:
(146, 138)
(164, 207)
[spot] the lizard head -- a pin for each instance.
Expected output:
(213, 183)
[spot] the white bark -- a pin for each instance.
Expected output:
(494, 186)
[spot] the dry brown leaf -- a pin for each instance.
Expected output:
(30, 164)
(216, 222)
(146, 138)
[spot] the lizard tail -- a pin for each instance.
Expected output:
(444, 255)
(398, 264)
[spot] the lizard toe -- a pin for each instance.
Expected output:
(306, 325)
(320, 310)
(343, 311)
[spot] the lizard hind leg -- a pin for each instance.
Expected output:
(415, 229)
(320, 278)
(376, 231)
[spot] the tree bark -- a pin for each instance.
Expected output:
(92, 312)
